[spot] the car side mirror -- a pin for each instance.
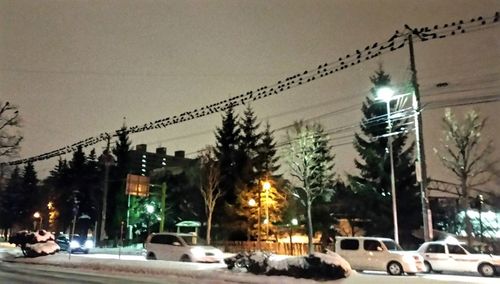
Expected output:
(176, 243)
(379, 249)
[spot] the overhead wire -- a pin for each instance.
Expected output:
(396, 41)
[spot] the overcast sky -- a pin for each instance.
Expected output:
(77, 68)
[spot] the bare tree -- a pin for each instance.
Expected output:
(465, 157)
(10, 138)
(311, 163)
(210, 176)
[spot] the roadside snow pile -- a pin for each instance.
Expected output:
(35, 244)
(318, 266)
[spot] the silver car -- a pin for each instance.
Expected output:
(180, 247)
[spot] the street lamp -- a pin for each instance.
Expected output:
(37, 215)
(150, 209)
(266, 185)
(294, 222)
(386, 94)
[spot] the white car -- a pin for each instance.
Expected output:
(445, 256)
(382, 254)
(181, 247)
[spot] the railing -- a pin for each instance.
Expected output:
(274, 247)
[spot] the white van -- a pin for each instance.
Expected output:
(180, 247)
(383, 254)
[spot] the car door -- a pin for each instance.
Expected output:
(436, 255)
(351, 251)
(175, 247)
(462, 261)
(374, 255)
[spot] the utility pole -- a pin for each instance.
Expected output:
(420, 166)
(162, 209)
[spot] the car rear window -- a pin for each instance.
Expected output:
(349, 244)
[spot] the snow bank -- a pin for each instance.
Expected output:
(319, 266)
(34, 244)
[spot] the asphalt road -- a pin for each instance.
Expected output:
(16, 273)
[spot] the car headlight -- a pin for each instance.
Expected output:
(74, 244)
(88, 244)
(198, 252)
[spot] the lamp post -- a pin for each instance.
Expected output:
(267, 186)
(293, 222)
(37, 215)
(386, 94)
(150, 209)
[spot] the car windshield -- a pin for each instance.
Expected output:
(194, 240)
(391, 245)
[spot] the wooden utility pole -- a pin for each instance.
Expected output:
(420, 166)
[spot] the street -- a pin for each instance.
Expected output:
(15, 273)
(107, 268)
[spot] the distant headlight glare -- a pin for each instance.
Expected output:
(198, 252)
(88, 244)
(74, 244)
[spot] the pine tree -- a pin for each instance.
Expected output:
(58, 182)
(30, 193)
(11, 201)
(226, 151)
(117, 200)
(248, 147)
(373, 182)
(267, 160)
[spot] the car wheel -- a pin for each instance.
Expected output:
(428, 267)
(394, 268)
(185, 258)
(486, 270)
(151, 256)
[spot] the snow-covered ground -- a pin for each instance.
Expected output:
(133, 263)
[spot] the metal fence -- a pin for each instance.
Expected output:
(274, 247)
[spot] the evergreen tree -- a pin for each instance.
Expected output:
(226, 151)
(267, 160)
(117, 200)
(373, 182)
(248, 147)
(11, 201)
(30, 194)
(58, 182)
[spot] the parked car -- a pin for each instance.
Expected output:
(453, 257)
(74, 244)
(382, 254)
(180, 247)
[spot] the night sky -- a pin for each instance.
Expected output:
(77, 68)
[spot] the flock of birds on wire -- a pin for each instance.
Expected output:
(398, 40)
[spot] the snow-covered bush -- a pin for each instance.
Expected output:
(318, 266)
(34, 244)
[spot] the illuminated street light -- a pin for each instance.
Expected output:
(266, 185)
(386, 95)
(37, 215)
(150, 209)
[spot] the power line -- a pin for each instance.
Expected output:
(395, 42)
